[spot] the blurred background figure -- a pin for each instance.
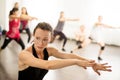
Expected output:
(98, 33)
(25, 18)
(13, 33)
(82, 40)
(59, 28)
(16, 5)
(80, 35)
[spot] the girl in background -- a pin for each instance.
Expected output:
(97, 34)
(59, 28)
(25, 18)
(81, 39)
(13, 33)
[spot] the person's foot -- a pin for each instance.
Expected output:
(78, 42)
(71, 51)
(99, 58)
(63, 49)
(60, 39)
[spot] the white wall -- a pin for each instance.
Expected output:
(6, 6)
(2, 14)
(86, 10)
(44, 10)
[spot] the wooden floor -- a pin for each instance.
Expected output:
(9, 67)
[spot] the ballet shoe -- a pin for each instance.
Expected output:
(99, 58)
(63, 49)
(71, 51)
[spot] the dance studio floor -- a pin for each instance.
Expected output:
(9, 60)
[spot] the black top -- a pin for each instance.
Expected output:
(32, 73)
(60, 26)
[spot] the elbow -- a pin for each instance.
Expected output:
(49, 66)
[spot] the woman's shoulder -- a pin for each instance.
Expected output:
(27, 50)
(51, 50)
(25, 53)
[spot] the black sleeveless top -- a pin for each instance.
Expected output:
(60, 26)
(32, 73)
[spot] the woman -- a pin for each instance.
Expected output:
(34, 63)
(16, 5)
(25, 18)
(80, 35)
(13, 33)
(59, 28)
(97, 34)
(81, 38)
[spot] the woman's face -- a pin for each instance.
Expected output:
(16, 5)
(82, 27)
(16, 13)
(41, 39)
(23, 10)
(62, 14)
(100, 18)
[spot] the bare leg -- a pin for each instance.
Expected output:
(82, 45)
(101, 50)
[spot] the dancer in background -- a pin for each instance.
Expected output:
(80, 35)
(59, 28)
(25, 18)
(82, 40)
(97, 34)
(34, 63)
(16, 5)
(13, 33)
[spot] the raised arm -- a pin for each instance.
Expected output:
(70, 19)
(27, 17)
(26, 58)
(14, 17)
(63, 55)
(107, 26)
(96, 67)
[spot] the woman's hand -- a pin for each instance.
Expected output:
(85, 63)
(102, 67)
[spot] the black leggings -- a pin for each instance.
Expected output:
(62, 36)
(8, 40)
(28, 33)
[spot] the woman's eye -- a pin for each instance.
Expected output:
(45, 39)
(37, 38)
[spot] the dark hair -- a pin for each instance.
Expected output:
(12, 11)
(43, 26)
